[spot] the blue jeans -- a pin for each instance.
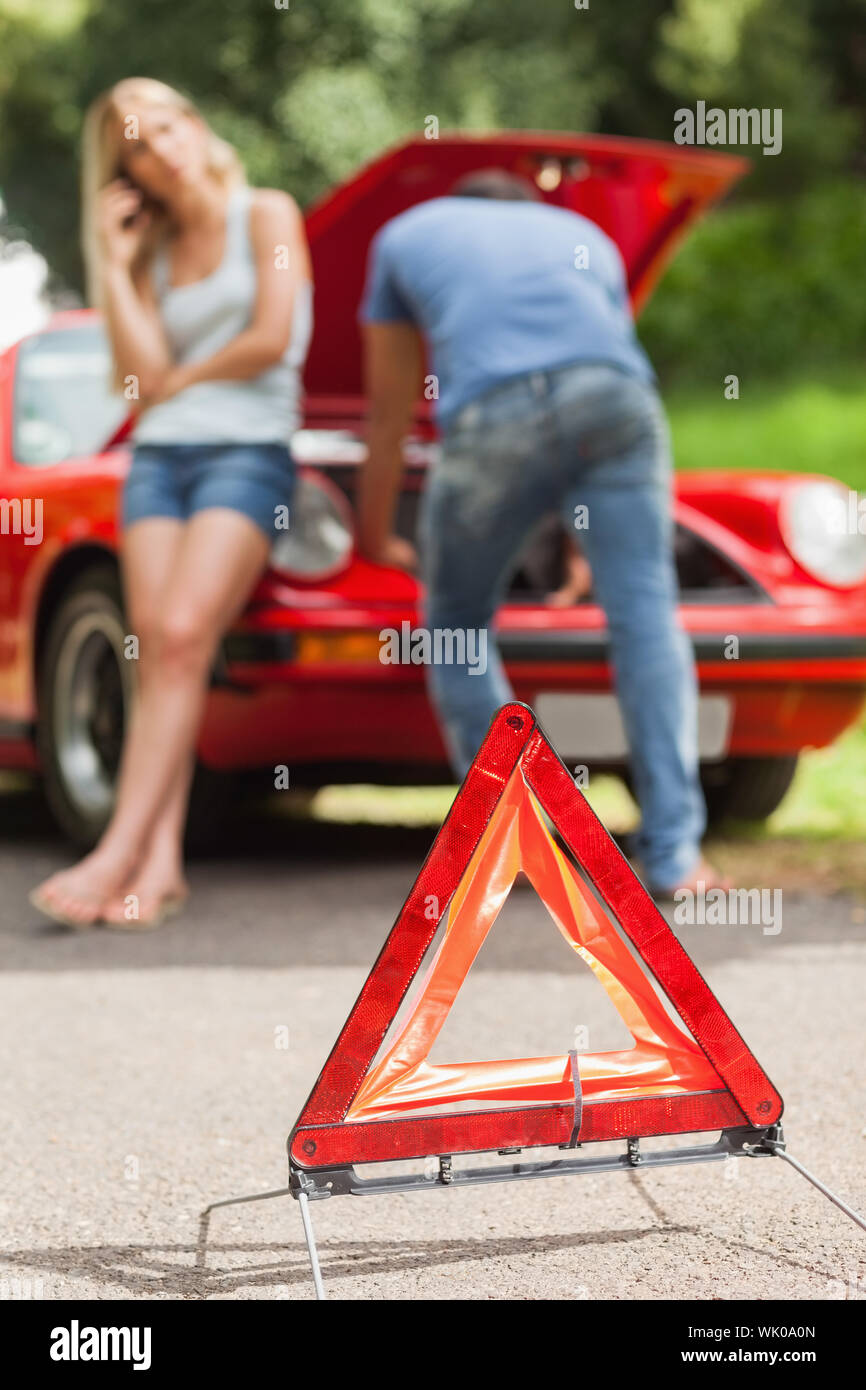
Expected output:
(178, 480)
(551, 441)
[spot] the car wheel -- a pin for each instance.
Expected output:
(85, 689)
(746, 788)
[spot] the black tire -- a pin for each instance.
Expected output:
(84, 688)
(746, 788)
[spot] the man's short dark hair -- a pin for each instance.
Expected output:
(496, 183)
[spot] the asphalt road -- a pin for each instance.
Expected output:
(146, 1077)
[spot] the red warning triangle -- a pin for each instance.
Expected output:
(670, 1082)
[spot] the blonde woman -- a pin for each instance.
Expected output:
(205, 287)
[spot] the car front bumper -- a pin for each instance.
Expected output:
(285, 693)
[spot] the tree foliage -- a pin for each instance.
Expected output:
(309, 91)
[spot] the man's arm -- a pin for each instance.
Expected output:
(392, 369)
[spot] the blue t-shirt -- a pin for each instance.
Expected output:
(500, 289)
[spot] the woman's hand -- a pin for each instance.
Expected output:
(121, 223)
(173, 380)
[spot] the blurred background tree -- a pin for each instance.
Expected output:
(308, 92)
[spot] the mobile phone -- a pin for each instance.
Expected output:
(146, 204)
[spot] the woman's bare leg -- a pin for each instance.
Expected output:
(217, 563)
(150, 549)
(148, 565)
(159, 876)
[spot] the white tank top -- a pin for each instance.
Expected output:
(201, 318)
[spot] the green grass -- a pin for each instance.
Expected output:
(808, 426)
(805, 426)
(826, 801)
(813, 843)
(370, 805)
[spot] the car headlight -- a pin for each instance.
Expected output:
(824, 527)
(319, 540)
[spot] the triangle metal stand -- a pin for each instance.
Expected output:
(311, 1186)
(773, 1146)
(308, 1186)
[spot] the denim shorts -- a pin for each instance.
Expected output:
(176, 480)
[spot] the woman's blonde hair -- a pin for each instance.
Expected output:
(103, 133)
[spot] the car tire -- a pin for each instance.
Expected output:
(746, 788)
(84, 689)
(84, 686)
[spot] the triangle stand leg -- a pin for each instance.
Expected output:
(774, 1145)
(304, 1204)
(297, 1190)
(253, 1197)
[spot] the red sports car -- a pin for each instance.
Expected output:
(772, 573)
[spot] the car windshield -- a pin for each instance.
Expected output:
(64, 405)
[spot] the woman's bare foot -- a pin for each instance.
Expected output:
(77, 896)
(156, 890)
(148, 911)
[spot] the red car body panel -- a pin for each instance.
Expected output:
(801, 674)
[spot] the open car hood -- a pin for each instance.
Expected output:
(643, 194)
